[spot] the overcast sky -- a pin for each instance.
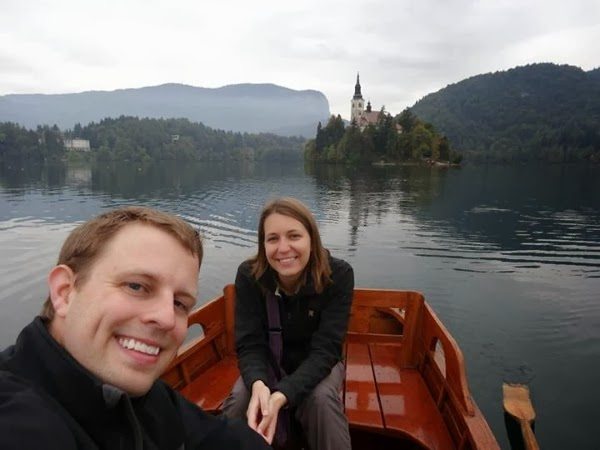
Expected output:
(403, 49)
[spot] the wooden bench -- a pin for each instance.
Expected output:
(384, 388)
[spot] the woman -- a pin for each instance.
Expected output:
(312, 292)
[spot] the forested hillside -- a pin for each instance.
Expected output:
(537, 112)
(134, 139)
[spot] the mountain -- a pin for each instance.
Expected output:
(240, 107)
(534, 112)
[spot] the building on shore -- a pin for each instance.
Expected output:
(77, 145)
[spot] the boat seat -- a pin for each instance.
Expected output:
(382, 396)
(210, 389)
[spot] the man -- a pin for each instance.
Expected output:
(83, 375)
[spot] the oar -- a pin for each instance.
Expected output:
(518, 404)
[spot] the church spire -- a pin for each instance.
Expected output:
(357, 108)
(357, 94)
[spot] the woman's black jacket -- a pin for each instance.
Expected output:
(314, 327)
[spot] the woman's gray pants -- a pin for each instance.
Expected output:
(321, 413)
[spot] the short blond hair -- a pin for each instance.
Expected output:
(86, 242)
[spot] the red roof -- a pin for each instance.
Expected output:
(368, 117)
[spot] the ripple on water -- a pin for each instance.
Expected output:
(29, 248)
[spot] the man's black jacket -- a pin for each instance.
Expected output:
(48, 400)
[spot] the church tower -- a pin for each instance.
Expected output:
(358, 103)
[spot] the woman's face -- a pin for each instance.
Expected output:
(287, 246)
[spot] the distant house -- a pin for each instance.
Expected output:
(77, 145)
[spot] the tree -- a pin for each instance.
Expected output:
(422, 140)
(407, 120)
(444, 149)
(319, 140)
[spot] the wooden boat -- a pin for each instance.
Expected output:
(405, 386)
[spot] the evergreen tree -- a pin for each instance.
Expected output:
(444, 149)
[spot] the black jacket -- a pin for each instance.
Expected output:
(48, 400)
(314, 326)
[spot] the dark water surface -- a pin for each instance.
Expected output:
(509, 257)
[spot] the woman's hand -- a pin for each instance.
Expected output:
(258, 407)
(268, 424)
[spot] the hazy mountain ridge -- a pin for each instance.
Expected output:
(242, 107)
(532, 111)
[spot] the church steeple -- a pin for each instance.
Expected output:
(357, 93)
(357, 103)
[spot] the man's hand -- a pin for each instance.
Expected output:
(268, 424)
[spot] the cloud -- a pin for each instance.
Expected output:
(403, 50)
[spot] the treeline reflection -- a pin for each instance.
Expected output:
(522, 208)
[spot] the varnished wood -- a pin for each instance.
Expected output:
(397, 386)
(517, 403)
(211, 387)
(406, 403)
(361, 396)
(433, 331)
(229, 294)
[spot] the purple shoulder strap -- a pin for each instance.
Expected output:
(277, 373)
(275, 332)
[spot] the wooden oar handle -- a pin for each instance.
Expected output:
(528, 436)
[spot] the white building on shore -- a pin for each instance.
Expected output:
(77, 145)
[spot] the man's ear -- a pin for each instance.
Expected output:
(61, 282)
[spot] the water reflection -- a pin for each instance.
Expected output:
(522, 217)
(509, 257)
(18, 177)
(513, 215)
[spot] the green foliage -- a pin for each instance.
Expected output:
(143, 140)
(379, 142)
(542, 112)
(444, 149)
(330, 135)
(180, 139)
(19, 144)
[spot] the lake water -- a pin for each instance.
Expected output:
(509, 257)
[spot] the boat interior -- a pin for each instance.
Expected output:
(405, 383)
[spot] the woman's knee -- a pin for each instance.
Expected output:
(323, 397)
(236, 404)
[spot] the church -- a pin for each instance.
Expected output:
(358, 113)
(364, 116)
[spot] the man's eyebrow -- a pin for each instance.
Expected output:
(140, 273)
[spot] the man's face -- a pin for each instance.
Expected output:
(127, 319)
